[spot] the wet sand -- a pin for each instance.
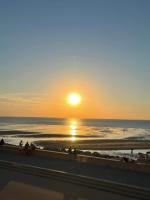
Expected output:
(96, 144)
(14, 132)
(83, 144)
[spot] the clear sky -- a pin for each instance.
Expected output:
(98, 48)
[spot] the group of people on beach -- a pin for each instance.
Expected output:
(27, 149)
(72, 151)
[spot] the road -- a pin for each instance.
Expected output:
(16, 186)
(102, 172)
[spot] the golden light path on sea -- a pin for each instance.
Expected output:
(73, 129)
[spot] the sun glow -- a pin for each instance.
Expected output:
(74, 99)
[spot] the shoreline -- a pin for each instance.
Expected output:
(82, 144)
(95, 144)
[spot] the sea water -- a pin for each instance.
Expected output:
(64, 129)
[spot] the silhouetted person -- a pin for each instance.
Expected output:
(131, 152)
(33, 147)
(21, 144)
(75, 151)
(26, 148)
(2, 142)
(70, 150)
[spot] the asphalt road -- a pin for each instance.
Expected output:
(16, 186)
(103, 172)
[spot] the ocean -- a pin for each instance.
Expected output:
(37, 128)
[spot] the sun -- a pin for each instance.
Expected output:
(74, 99)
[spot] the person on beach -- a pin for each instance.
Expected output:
(26, 148)
(70, 150)
(26, 145)
(21, 144)
(32, 147)
(75, 151)
(2, 142)
(132, 152)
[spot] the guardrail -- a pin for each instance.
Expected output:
(100, 184)
(86, 159)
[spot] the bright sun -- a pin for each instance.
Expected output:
(74, 99)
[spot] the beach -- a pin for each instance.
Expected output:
(92, 144)
(97, 144)
(122, 136)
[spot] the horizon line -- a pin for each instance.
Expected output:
(125, 119)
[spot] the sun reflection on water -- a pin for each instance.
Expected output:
(73, 138)
(73, 129)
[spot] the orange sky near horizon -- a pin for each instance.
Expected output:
(93, 105)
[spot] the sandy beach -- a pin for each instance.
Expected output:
(96, 144)
(92, 144)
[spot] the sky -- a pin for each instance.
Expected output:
(98, 48)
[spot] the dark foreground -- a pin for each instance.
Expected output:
(19, 186)
(103, 172)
